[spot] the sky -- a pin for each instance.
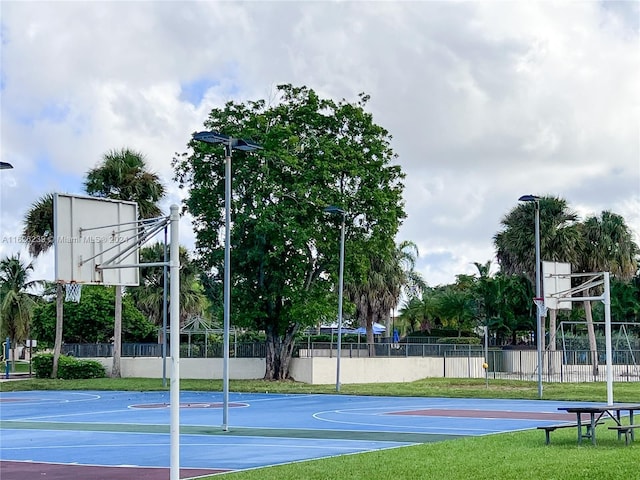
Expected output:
(485, 100)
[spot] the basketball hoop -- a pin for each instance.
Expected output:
(73, 291)
(540, 304)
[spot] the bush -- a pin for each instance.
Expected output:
(69, 368)
(42, 365)
(251, 337)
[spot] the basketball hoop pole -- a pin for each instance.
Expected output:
(174, 295)
(606, 299)
(538, 295)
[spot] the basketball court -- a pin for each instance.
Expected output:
(161, 435)
(125, 435)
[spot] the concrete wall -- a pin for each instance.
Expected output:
(316, 370)
(198, 368)
(322, 371)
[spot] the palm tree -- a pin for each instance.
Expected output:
(607, 246)
(17, 304)
(559, 239)
(457, 307)
(148, 296)
(38, 230)
(38, 225)
(412, 313)
(388, 278)
(123, 175)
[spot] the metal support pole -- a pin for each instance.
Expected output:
(174, 271)
(227, 286)
(7, 356)
(340, 294)
(607, 335)
(246, 146)
(486, 355)
(164, 312)
(538, 304)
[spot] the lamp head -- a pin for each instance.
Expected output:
(211, 137)
(529, 198)
(334, 209)
(234, 143)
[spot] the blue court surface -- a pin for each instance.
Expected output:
(130, 430)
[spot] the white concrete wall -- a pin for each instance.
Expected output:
(198, 368)
(317, 370)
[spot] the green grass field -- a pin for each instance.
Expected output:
(18, 366)
(517, 456)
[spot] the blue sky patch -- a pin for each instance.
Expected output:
(193, 92)
(54, 112)
(48, 173)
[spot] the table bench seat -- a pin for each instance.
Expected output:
(550, 428)
(626, 430)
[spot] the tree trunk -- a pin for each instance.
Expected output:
(370, 338)
(279, 353)
(553, 316)
(57, 346)
(593, 346)
(117, 333)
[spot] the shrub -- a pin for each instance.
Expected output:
(68, 367)
(42, 365)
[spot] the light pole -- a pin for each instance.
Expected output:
(230, 144)
(539, 305)
(339, 211)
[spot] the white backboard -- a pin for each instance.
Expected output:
(91, 232)
(556, 278)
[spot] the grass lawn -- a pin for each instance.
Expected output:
(521, 455)
(17, 366)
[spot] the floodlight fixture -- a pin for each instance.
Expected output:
(529, 198)
(227, 141)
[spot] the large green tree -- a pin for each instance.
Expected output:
(92, 319)
(124, 175)
(16, 301)
(316, 152)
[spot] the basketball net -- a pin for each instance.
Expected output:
(540, 304)
(73, 291)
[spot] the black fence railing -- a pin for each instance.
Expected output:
(519, 364)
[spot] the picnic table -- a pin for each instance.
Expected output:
(596, 412)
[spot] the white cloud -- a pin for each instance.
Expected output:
(486, 101)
